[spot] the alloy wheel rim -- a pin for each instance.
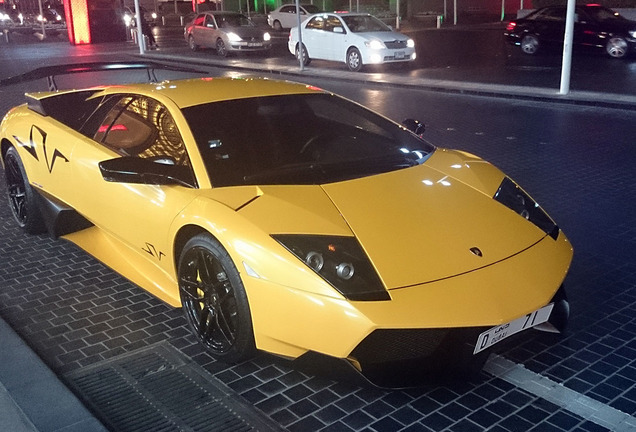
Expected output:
(16, 190)
(209, 300)
(617, 47)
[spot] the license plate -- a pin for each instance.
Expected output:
(501, 332)
(399, 55)
(254, 44)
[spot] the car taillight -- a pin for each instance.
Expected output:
(511, 26)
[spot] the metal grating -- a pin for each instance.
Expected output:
(157, 389)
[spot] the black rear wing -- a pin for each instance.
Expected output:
(50, 72)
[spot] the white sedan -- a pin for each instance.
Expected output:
(354, 38)
(285, 16)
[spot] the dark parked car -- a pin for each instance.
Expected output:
(594, 26)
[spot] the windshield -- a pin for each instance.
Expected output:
(237, 20)
(603, 14)
(299, 139)
(365, 23)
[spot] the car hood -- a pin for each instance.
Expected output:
(245, 32)
(383, 36)
(416, 225)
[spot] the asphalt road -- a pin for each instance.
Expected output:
(473, 53)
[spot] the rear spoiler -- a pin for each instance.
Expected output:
(50, 72)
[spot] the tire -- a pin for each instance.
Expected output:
(221, 49)
(616, 47)
(22, 197)
(192, 44)
(354, 60)
(530, 44)
(214, 300)
(278, 26)
(306, 59)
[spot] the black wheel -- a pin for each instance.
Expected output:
(616, 47)
(306, 59)
(22, 197)
(221, 49)
(530, 44)
(354, 60)
(192, 44)
(214, 300)
(278, 26)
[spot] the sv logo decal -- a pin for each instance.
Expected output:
(38, 136)
(152, 251)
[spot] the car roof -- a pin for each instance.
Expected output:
(191, 92)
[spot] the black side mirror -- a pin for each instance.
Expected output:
(145, 171)
(414, 126)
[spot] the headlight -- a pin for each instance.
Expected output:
(632, 33)
(375, 44)
(233, 37)
(154, 15)
(410, 43)
(266, 36)
(513, 197)
(340, 261)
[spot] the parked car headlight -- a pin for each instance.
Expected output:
(375, 44)
(517, 200)
(233, 37)
(266, 37)
(340, 261)
(410, 43)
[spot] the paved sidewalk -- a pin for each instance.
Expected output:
(32, 398)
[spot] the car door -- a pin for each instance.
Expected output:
(550, 26)
(196, 31)
(315, 38)
(587, 30)
(210, 31)
(336, 39)
(139, 215)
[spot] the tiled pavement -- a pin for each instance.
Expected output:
(75, 313)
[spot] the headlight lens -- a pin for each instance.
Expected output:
(266, 37)
(233, 37)
(340, 261)
(632, 33)
(410, 43)
(513, 197)
(374, 44)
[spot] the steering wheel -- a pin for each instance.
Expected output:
(311, 148)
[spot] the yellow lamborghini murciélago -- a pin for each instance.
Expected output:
(287, 219)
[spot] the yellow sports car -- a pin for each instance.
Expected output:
(284, 218)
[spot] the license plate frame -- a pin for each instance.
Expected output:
(496, 334)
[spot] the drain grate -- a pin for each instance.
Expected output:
(157, 389)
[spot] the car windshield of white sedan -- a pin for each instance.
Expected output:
(362, 24)
(299, 139)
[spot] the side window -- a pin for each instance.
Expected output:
(142, 127)
(331, 23)
(316, 23)
(209, 21)
(289, 9)
(199, 20)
